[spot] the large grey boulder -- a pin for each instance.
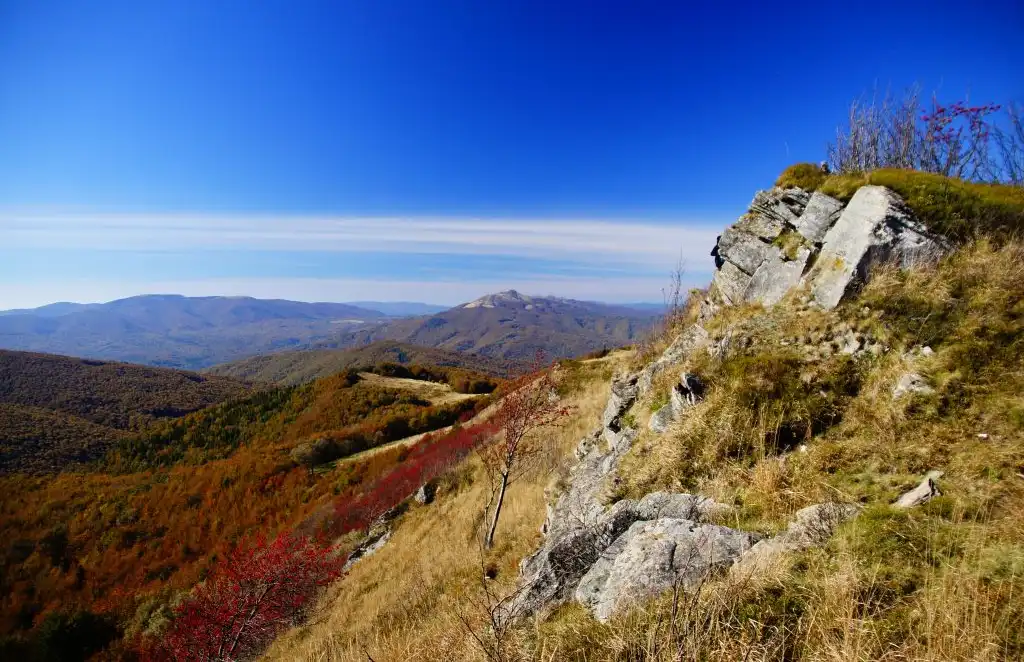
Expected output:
(654, 556)
(730, 282)
(662, 419)
(426, 493)
(580, 530)
(812, 527)
(821, 212)
(775, 277)
(744, 249)
(875, 227)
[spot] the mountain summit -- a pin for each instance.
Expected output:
(506, 299)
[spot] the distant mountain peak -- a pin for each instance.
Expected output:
(508, 298)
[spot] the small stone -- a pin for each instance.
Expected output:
(923, 493)
(911, 383)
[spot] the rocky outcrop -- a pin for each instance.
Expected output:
(624, 392)
(790, 238)
(775, 277)
(377, 538)
(609, 557)
(685, 393)
(876, 227)
(694, 337)
(654, 556)
(584, 537)
(819, 215)
(579, 537)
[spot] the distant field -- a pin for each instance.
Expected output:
(433, 392)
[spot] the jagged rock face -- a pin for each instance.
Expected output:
(730, 283)
(687, 392)
(579, 528)
(875, 227)
(775, 277)
(690, 340)
(819, 215)
(653, 556)
(771, 211)
(790, 238)
(744, 250)
(624, 392)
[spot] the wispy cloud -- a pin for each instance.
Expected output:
(98, 257)
(621, 241)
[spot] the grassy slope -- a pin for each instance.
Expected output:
(775, 433)
(297, 367)
(413, 614)
(433, 392)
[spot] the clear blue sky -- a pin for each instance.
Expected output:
(421, 150)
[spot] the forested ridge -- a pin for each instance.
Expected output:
(112, 541)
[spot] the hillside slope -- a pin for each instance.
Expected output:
(791, 481)
(513, 326)
(126, 539)
(56, 410)
(177, 331)
(297, 367)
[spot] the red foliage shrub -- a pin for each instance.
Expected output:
(426, 460)
(259, 589)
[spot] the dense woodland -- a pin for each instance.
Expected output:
(57, 412)
(99, 555)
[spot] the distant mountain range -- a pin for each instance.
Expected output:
(198, 332)
(177, 331)
(510, 325)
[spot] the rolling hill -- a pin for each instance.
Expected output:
(510, 325)
(177, 331)
(296, 367)
(57, 410)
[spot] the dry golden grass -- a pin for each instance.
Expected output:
(433, 392)
(776, 432)
(403, 602)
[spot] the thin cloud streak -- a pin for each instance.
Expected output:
(621, 241)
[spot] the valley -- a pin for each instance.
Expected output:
(119, 529)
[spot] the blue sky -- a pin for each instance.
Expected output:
(430, 150)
